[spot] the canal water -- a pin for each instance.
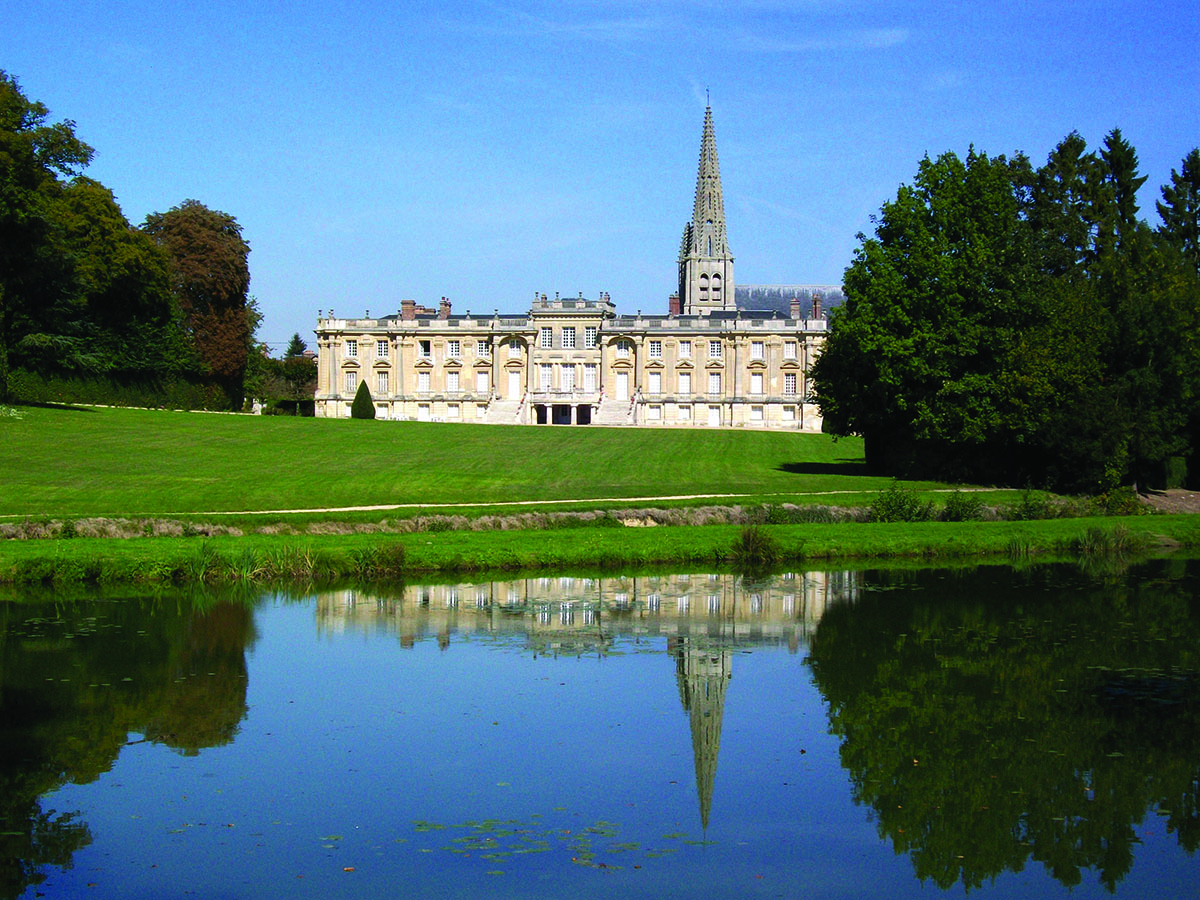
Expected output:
(1030, 732)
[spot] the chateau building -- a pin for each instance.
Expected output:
(706, 363)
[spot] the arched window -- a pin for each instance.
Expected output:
(716, 287)
(704, 287)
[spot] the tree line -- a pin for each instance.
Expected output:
(162, 310)
(1021, 325)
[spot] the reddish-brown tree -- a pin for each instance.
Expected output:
(210, 277)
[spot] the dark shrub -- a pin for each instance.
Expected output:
(901, 504)
(363, 406)
(962, 507)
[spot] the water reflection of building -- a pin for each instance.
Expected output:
(702, 616)
(703, 673)
(569, 614)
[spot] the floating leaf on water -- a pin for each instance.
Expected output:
(495, 872)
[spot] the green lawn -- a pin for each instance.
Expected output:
(122, 462)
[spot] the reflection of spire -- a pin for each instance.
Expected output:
(703, 676)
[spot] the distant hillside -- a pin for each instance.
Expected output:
(779, 296)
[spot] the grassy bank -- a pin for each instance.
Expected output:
(329, 557)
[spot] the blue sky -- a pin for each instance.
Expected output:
(486, 151)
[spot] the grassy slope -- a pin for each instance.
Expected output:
(114, 462)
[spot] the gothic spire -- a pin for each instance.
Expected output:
(705, 263)
(708, 214)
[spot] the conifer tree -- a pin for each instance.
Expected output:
(1180, 208)
(363, 406)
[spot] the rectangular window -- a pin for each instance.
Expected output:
(685, 349)
(514, 349)
(756, 414)
(481, 382)
(654, 413)
(568, 337)
(714, 382)
(546, 338)
(757, 350)
(381, 349)
(789, 383)
(351, 382)
(714, 349)
(454, 411)
(685, 382)
(422, 382)
(756, 382)
(426, 349)
(655, 382)
(789, 350)
(545, 375)
(622, 349)
(352, 348)
(589, 337)
(566, 378)
(454, 349)
(685, 414)
(656, 349)
(589, 378)
(789, 414)
(482, 348)
(452, 382)
(381, 382)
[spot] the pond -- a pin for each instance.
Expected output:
(1029, 732)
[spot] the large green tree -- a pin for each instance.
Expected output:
(210, 277)
(919, 361)
(34, 153)
(1006, 324)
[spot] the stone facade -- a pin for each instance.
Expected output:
(705, 363)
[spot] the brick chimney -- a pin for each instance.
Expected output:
(794, 311)
(674, 307)
(816, 313)
(444, 308)
(408, 310)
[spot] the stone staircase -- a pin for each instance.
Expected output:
(614, 412)
(504, 412)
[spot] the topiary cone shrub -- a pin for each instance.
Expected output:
(363, 406)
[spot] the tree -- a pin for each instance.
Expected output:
(210, 278)
(295, 347)
(363, 406)
(33, 154)
(1180, 208)
(118, 316)
(1010, 325)
(917, 361)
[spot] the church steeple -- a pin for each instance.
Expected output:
(705, 263)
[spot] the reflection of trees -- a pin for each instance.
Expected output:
(987, 727)
(77, 678)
